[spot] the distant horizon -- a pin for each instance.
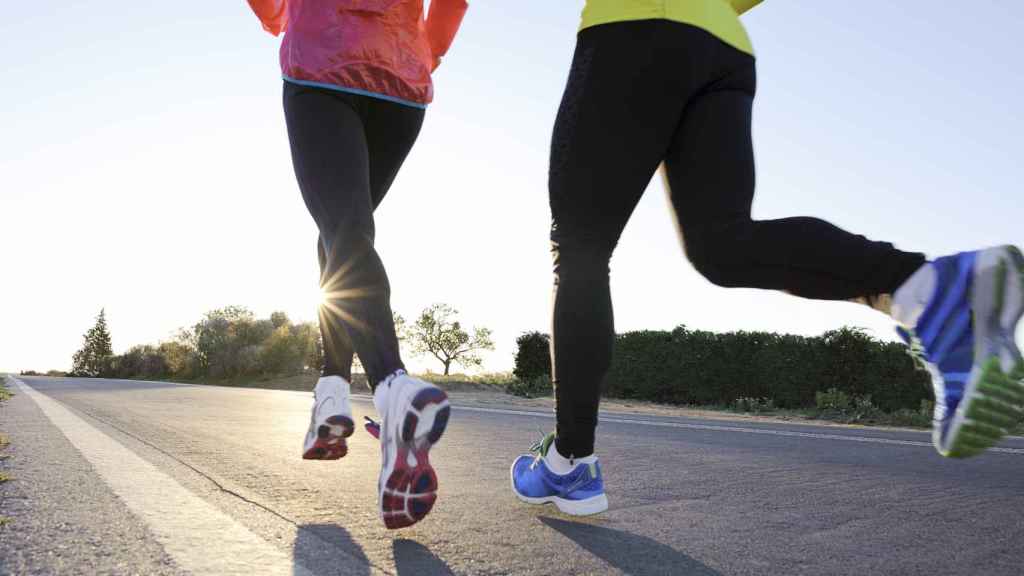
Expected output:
(422, 364)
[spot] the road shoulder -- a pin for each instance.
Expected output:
(63, 518)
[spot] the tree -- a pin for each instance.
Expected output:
(437, 333)
(278, 319)
(312, 349)
(95, 357)
(401, 328)
(284, 351)
(533, 356)
(179, 356)
(141, 361)
(227, 341)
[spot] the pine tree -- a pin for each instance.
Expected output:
(94, 359)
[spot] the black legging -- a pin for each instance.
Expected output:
(346, 150)
(646, 92)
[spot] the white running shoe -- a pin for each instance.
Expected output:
(414, 416)
(331, 421)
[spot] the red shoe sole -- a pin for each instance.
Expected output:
(410, 491)
(331, 445)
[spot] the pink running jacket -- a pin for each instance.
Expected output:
(380, 48)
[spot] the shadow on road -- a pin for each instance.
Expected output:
(328, 549)
(411, 557)
(629, 553)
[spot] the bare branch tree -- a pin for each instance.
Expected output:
(437, 333)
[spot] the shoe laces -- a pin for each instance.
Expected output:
(372, 426)
(915, 348)
(541, 447)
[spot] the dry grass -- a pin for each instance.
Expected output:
(305, 382)
(4, 395)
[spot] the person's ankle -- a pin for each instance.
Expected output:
(561, 464)
(912, 297)
(328, 380)
(383, 391)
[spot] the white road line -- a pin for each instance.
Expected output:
(199, 537)
(740, 429)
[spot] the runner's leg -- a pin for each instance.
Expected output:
(616, 122)
(710, 173)
(331, 156)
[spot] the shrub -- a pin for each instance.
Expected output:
(533, 356)
(139, 362)
(313, 354)
(226, 341)
(697, 367)
(283, 352)
(531, 387)
(495, 380)
(908, 417)
(832, 399)
(181, 360)
(792, 369)
(896, 381)
(754, 405)
(499, 379)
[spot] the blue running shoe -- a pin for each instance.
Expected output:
(579, 493)
(965, 338)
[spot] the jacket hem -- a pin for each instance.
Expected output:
(355, 91)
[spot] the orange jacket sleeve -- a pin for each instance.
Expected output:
(272, 13)
(443, 22)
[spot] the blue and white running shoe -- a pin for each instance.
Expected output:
(579, 493)
(965, 338)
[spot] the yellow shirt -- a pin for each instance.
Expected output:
(719, 17)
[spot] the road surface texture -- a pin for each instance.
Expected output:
(125, 477)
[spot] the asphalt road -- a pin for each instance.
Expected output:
(124, 477)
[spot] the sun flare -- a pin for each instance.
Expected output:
(319, 296)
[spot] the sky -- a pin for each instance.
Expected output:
(144, 167)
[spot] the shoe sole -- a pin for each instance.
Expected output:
(330, 439)
(409, 490)
(993, 402)
(586, 507)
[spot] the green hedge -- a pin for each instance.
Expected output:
(705, 368)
